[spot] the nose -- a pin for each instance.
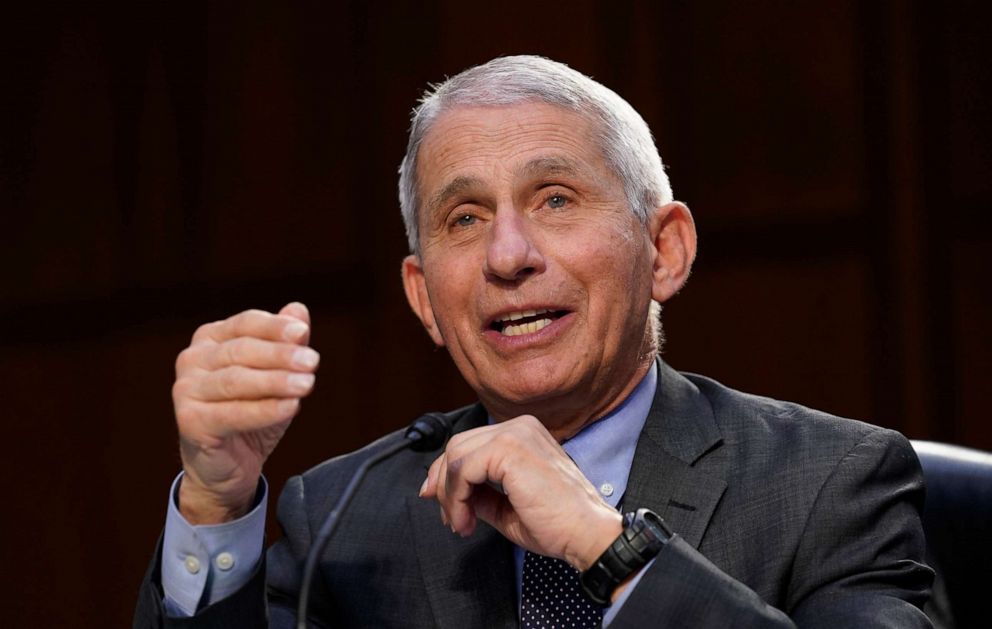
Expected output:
(512, 254)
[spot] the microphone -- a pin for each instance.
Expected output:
(428, 432)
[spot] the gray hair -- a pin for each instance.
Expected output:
(624, 137)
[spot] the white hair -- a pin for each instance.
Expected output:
(624, 137)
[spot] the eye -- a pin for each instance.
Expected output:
(556, 201)
(465, 220)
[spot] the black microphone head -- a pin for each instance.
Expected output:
(429, 432)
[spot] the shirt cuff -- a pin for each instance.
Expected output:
(610, 612)
(202, 564)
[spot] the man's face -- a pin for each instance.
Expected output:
(533, 270)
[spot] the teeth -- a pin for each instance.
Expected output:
(526, 328)
(513, 316)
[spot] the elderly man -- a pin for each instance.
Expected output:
(543, 235)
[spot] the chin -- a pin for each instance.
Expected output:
(525, 395)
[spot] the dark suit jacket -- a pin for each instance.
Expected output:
(783, 515)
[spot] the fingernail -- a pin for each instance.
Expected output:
(423, 487)
(305, 358)
(289, 405)
(300, 382)
(294, 331)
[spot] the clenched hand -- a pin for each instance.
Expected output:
(238, 387)
(514, 476)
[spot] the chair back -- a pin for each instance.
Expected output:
(957, 519)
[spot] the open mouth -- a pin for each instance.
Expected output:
(525, 321)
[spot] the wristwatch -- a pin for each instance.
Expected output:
(644, 535)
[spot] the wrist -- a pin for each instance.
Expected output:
(643, 537)
(607, 528)
(200, 506)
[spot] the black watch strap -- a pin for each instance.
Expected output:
(643, 537)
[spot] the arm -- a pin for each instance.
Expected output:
(238, 387)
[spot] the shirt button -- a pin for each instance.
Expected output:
(606, 489)
(192, 564)
(225, 561)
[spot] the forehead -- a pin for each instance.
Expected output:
(484, 142)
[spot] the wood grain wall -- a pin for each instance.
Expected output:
(166, 164)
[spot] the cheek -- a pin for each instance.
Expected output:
(451, 294)
(622, 273)
(616, 254)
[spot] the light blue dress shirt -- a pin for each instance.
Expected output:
(204, 564)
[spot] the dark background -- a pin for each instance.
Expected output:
(167, 164)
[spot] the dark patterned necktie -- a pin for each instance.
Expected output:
(552, 596)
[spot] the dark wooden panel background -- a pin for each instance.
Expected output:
(164, 164)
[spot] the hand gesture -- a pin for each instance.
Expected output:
(238, 387)
(516, 477)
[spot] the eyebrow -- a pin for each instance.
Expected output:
(544, 166)
(456, 186)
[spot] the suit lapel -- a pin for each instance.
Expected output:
(470, 582)
(679, 431)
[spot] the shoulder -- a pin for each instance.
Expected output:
(812, 478)
(758, 425)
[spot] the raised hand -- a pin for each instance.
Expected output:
(238, 387)
(516, 477)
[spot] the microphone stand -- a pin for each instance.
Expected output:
(429, 432)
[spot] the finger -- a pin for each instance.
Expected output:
(463, 440)
(487, 504)
(247, 351)
(237, 416)
(243, 383)
(297, 310)
(452, 487)
(439, 492)
(472, 466)
(254, 323)
(462, 478)
(429, 488)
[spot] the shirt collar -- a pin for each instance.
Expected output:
(604, 450)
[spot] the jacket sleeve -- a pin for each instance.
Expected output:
(859, 562)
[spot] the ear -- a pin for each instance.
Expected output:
(673, 234)
(415, 286)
